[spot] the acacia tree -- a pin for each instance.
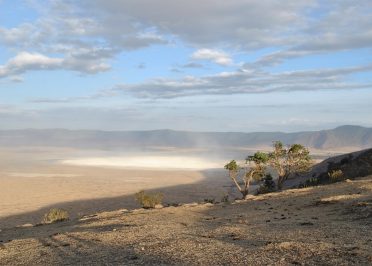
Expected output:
(290, 160)
(254, 169)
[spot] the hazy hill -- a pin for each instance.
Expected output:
(351, 137)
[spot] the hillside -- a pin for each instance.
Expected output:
(354, 164)
(327, 225)
(344, 137)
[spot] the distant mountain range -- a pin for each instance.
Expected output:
(343, 137)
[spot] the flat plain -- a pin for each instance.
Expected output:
(34, 180)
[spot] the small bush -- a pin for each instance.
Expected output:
(314, 181)
(225, 198)
(267, 186)
(210, 200)
(336, 175)
(56, 215)
(149, 200)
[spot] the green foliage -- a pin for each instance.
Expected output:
(255, 169)
(286, 161)
(148, 200)
(55, 215)
(257, 165)
(267, 186)
(232, 166)
(258, 158)
(336, 175)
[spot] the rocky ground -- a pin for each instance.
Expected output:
(325, 225)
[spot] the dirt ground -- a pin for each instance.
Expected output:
(325, 225)
(32, 181)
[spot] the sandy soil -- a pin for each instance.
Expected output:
(33, 180)
(327, 225)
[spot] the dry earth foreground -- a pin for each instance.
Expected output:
(324, 225)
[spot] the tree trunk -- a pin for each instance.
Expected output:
(244, 193)
(280, 182)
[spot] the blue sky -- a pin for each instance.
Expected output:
(208, 65)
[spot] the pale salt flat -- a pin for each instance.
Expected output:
(153, 162)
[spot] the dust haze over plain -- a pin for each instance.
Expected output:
(179, 149)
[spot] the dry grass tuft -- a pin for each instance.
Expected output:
(149, 200)
(56, 215)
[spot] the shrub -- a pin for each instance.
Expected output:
(210, 200)
(225, 198)
(311, 182)
(254, 170)
(55, 215)
(148, 200)
(267, 186)
(336, 175)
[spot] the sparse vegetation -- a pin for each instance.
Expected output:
(211, 200)
(55, 215)
(267, 186)
(149, 200)
(331, 177)
(254, 169)
(335, 176)
(314, 181)
(225, 198)
(294, 159)
(286, 161)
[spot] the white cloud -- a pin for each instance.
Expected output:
(88, 34)
(217, 56)
(16, 79)
(245, 23)
(248, 82)
(26, 61)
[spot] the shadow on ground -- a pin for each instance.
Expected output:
(326, 225)
(205, 189)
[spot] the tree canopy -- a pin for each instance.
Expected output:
(285, 160)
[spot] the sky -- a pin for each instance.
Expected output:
(210, 65)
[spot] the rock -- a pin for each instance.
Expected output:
(348, 180)
(249, 197)
(173, 204)
(306, 223)
(123, 210)
(209, 204)
(26, 225)
(133, 257)
(138, 210)
(87, 217)
(190, 204)
(159, 206)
